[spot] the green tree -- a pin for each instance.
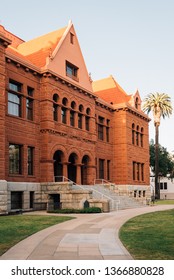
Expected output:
(160, 105)
(166, 163)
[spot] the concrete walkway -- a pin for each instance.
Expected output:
(88, 237)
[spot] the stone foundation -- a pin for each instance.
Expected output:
(36, 196)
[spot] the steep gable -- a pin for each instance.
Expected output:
(67, 60)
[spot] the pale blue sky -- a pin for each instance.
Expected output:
(131, 39)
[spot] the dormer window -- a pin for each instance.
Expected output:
(72, 71)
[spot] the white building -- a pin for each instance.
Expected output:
(166, 187)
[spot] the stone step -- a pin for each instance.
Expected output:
(116, 201)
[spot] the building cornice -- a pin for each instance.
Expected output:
(132, 110)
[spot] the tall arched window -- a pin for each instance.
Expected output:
(133, 133)
(141, 136)
(64, 110)
(55, 107)
(137, 136)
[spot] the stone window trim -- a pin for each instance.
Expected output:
(15, 159)
(138, 171)
(137, 135)
(72, 71)
(103, 129)
(20, 102)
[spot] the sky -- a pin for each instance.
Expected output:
(132, 40)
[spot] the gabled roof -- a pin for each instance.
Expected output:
(109, 90)
(51, 52)
(38, 49)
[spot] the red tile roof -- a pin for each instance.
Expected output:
(37, 50)
(109, 90)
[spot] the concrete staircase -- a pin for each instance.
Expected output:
(116, 202)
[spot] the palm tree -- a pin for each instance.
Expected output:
(160, 105)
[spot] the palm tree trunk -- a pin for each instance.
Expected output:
(157, 186)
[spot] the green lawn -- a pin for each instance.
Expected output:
(150, 236)
(164, 201)
(15, 228)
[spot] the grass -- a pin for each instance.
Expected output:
(150, 236)
(164, 201)
(15, 228)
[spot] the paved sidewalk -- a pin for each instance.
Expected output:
(88, 237)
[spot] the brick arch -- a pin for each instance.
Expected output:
(89, 154)
(75, 99)
(61, 148)
(74, 151)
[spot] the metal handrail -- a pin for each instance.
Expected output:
(65, 179)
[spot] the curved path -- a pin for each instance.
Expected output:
(89, 236)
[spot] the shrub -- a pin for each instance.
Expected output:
(87, 210)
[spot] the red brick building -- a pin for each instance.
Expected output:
(54, 121)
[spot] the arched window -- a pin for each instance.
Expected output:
(55, 97)
(141, 136)
(64, 110)
(80, 121)
(81, 108)
(133, 134)
(137, 136)
(73, 105)
(65, 101)
(72, 118)
(55, 107)
(88, 111)
(87, 120)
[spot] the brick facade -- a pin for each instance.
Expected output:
(95, 140)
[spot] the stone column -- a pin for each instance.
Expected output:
(65, 169)
(68, 117)
(59, 114)
(75, 119)
(78, 174)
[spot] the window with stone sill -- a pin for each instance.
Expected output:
(14, 98)
(30, 160)
(63, 115)
(138, 171)
(72, 118)
(87, 122)
(80, 121)
(72, 71)
(15, 159)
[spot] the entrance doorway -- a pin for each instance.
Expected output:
(72, 169)
(58, 167)
(55, 201)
